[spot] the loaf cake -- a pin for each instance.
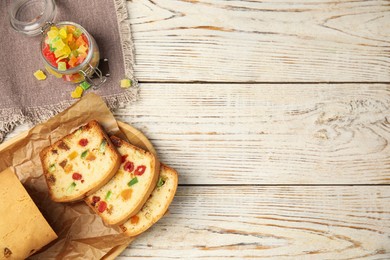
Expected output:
(23, 229)
(80, 163)
(125, 194)
(157, 204)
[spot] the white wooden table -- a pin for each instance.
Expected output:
(276, 114)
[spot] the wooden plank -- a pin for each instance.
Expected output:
(271, 223)
(18, 130)
(261, 41)
(268, 133)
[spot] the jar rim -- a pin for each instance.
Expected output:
(79, 67)
(33, 27)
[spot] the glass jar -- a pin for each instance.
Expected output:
(36, 17)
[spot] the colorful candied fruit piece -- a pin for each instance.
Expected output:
(85, 85)
(70, 28)
(125, 83)
(85, 39)
(52, 34)
(57, 43)
(77, 32)
(72, 62)
(80, 41)
(65, 51)
(81, 58)
(61, 66)
(77, 77)
(62, 33)
(39, 75)
(82, 49)
(77, 92)
(69, 38)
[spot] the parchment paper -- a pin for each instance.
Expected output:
(81, 233)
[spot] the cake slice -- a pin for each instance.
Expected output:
(80, 163)
(125, 194)
(157, 204)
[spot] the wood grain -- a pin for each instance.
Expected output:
(261, 41)
(271, 223)
(268, 133)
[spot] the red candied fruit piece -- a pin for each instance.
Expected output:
(102, 206)
(95, 199)
(46, 50)
(140, 170)
(83, 142)
(116, 142)
(124, 158)
(49, 55)
(51, 59)
(85, 39)
(129, 166)
(77, 176)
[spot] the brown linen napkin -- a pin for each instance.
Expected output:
(25, 99)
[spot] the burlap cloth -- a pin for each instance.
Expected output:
(25, 99)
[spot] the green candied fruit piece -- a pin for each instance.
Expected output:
(133, 181)
(126, 83)
(85, 85)
(103, 145)
(61, 66)
(71, 187)
(160, 182)
(77, 33)
(75, 53)
(83, 154)
(52, 168)
(108, 195)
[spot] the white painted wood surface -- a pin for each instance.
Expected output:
(261, 41)
(268, 133)
(271, 223)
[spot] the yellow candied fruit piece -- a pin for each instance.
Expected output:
(58, 45)
(70, 28)
(126, 194)
(82, 49)
(62, 57)
(65, 51)
(54, 28)
(39, 75)
(52, 34)
(59, 53)
(62, 33)
(68, 168)
(77, 92)
(69, 38)
(134, 219)
(90, 157)
(125, 83)
(73, 155)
